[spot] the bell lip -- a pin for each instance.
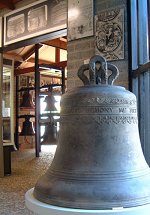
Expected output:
(104, 205)
(49, 189)
(34, 205)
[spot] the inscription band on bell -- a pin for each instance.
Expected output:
(99, 110)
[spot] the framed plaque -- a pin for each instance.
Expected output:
(36, 19)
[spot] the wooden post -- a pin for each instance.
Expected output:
(63, 80)
(37, 102)
(1, 134)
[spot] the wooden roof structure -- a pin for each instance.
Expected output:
(9, 4)
(51, 53)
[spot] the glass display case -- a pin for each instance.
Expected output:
(7, 116)
(7, 106)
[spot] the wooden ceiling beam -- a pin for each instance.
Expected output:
(32, 60)
(8, 4)
(56, 43)
(12, 57)
(57, 55)
(61, 64)
(53, 76)
(17, 64)
(57, 65)
(24, 70)
(30, 52)
(26, 56)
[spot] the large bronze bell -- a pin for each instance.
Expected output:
(99, 162)
(27, 100)
(27, 128)
(50, 103)
(50, 134)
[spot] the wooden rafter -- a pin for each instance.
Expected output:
(12, 56)
(8, 4)
(56, 43)
(27, 55)
(30, 52)
(56, 65)
(24, 70)
(53, 76)
(61, 64)
(32, 60)
(57, 55)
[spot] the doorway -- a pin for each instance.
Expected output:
(38, 74)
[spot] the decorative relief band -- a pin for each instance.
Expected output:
(116, 119)
(100, 119)
(99, 110)
(100, 100)
(109, 101)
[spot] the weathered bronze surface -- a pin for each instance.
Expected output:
(27, 100)
(27, 128)
(50, 103)
(99, 162)
(50, 134)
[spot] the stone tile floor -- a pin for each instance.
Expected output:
(26, 169)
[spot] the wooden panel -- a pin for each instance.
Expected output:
(57, 43)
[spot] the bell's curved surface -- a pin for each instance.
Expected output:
(50, 134)
(27, 128)
(99, 162)
(50, 103)
(27, 100)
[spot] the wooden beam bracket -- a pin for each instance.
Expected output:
(142, 69)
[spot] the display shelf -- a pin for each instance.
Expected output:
(26, 115)
(44, 121)
(41, 118)
(51, 85)
(25, 89)
(8, 106)
(7, 114)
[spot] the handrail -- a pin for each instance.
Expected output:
(142, 69)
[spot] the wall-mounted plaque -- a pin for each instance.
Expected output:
(15, 26)
(80, 19)
(109, 34)
(36, 19)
